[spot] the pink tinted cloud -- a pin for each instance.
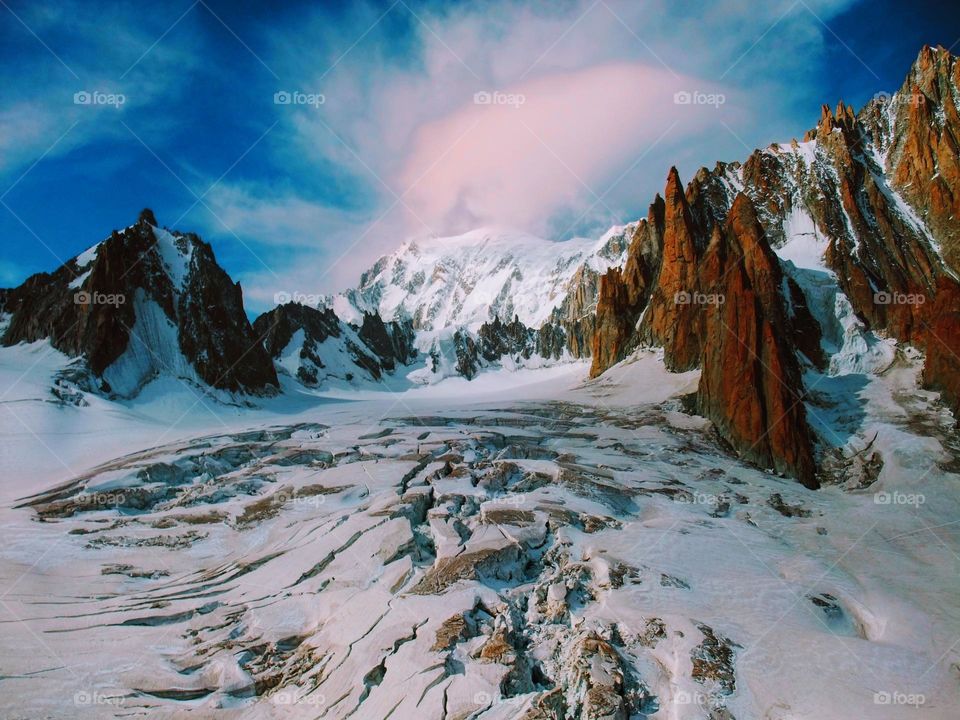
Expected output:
(551, 142)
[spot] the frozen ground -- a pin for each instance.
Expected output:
(528, 545)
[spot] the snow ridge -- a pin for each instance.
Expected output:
(469, 279)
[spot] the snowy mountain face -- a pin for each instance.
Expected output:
(465, 281)
(318, 349)
(144, 302)
(452, 288)
(488, 299)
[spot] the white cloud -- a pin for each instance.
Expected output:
(554, 142)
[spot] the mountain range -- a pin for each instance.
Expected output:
(808, 262)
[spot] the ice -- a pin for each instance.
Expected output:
(78, 281)
(84, 260)
(153, 349)
(87, 256)
(805, 245)
(851, 348)
(468, 547)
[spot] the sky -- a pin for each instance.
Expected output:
(303, 140)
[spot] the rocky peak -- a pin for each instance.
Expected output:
(931, 72)
(669, 319)
(147, 217)
(750, 384)
(924, 152)
(623, 293)
(869, 199)
(142, 303)
(315, 346)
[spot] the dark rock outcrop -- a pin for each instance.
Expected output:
(467, 354)
(392, 342)
(497, 339)
(941, 369)
(330, 348)
(123, 303)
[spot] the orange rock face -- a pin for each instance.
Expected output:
(614, 327)
(941, 370)
(721, 309)
(879, 189)
(672, 316)
(624, 294)
(923, 157)
(751, 385)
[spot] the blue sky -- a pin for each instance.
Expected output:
(302, 196)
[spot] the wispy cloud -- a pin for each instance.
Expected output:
(592, 139)
(521, 154)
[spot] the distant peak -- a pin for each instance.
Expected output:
(146, 215)
(673, 181)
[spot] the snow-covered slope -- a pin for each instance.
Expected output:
(574, 550)
(464, 281)
(531, 545)
(319, 350)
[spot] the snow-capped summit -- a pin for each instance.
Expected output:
(470, 279)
